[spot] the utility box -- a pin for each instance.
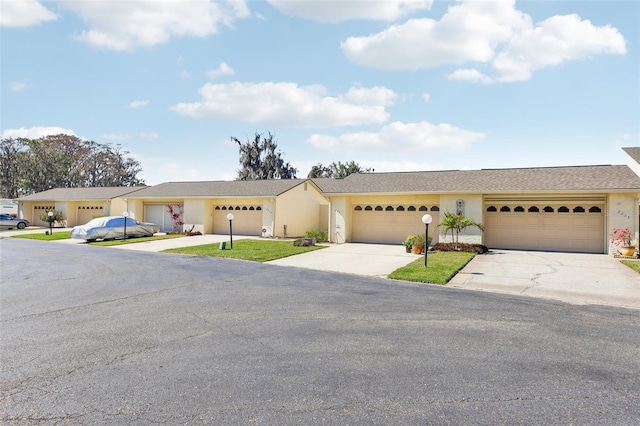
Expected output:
(223, 245)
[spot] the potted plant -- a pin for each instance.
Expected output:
(418, 243)
(621, 238)
(408, 242)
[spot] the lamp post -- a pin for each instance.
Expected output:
(50, 214)
(125, 214)
(230, 218)
(426, 219)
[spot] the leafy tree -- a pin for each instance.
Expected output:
(260, 160)
(457, 223)
(34, 165)
(337, 170)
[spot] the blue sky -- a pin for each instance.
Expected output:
(393, 85)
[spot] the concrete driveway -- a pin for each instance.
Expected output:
(571, 277)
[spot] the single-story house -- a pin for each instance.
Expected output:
(277, 207)
(572, 208)
(77, 205)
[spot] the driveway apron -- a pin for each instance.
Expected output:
(571, 277)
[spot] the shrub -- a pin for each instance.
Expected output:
(316, 234)
(463, 247)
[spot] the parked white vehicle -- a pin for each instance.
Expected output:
(113, 227)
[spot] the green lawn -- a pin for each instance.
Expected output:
(633, 264)
(57, 235)
(135, 240)
(442, 266)
(253, 250)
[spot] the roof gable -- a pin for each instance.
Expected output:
(236, 188)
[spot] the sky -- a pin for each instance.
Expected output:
(395, 85)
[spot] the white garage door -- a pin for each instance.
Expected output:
(390, 224)
(158, 214)
(569, 225)
(247, 220)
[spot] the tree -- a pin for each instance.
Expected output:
(34, 165)
(457, 223)
(337, 170)
(260, 160)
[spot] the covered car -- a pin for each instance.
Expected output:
(13, 222)
(112, 227)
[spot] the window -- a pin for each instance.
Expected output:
(368, 209)
(595, 209)
(358, 208)
(378, 208)
(492, 209)
(389, 208)
(224, 207)
(400, 209)
(258, 208)
(505, 209)
(563, 209)
(237, 207)
(423, 208)
(411, 209)
(217, 207)
(244, 207)
(578, 209)
(251, 208)
(548, 209)
(518, 209)
(533, 209)
(435, 208)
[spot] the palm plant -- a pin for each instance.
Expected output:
(457, 223)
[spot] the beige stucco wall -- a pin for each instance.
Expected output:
(473, 208)
(135, 209)
(299, 209)
(622, 212)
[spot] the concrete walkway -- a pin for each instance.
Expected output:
(570, 277)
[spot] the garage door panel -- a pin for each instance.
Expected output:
(389, 227)
(245, 222)
(574, 231)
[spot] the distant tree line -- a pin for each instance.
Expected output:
(259, 159)
(28, 166)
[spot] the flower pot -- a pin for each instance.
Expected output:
(415, 249)
(627, 251)
(408, 249)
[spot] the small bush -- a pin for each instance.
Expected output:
(319, 236)
(463, 247)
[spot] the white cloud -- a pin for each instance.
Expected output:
(289, 104)
(126, 25)
(426, 97)
(185, 74)
(148, 136)
(138, 104)
(24, 13)
(35, 132)
(222, 70)
(17, 86)
(337, 11)
(115, 137)
(492, 33)
(399, 137)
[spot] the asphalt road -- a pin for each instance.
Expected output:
(92, 335)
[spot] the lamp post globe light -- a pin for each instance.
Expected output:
(125, 214)
(230, 218)
(50, 214)
(426, 219)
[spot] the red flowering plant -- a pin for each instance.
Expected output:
(621, 237)
(176, 211)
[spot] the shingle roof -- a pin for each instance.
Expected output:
(633, 153)
(576, 178)
(236, 188)
(78, 194)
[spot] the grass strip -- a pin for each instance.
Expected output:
(253, 250)
(135, 240)
(56, 235)
(633, 264)
(442, 266)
